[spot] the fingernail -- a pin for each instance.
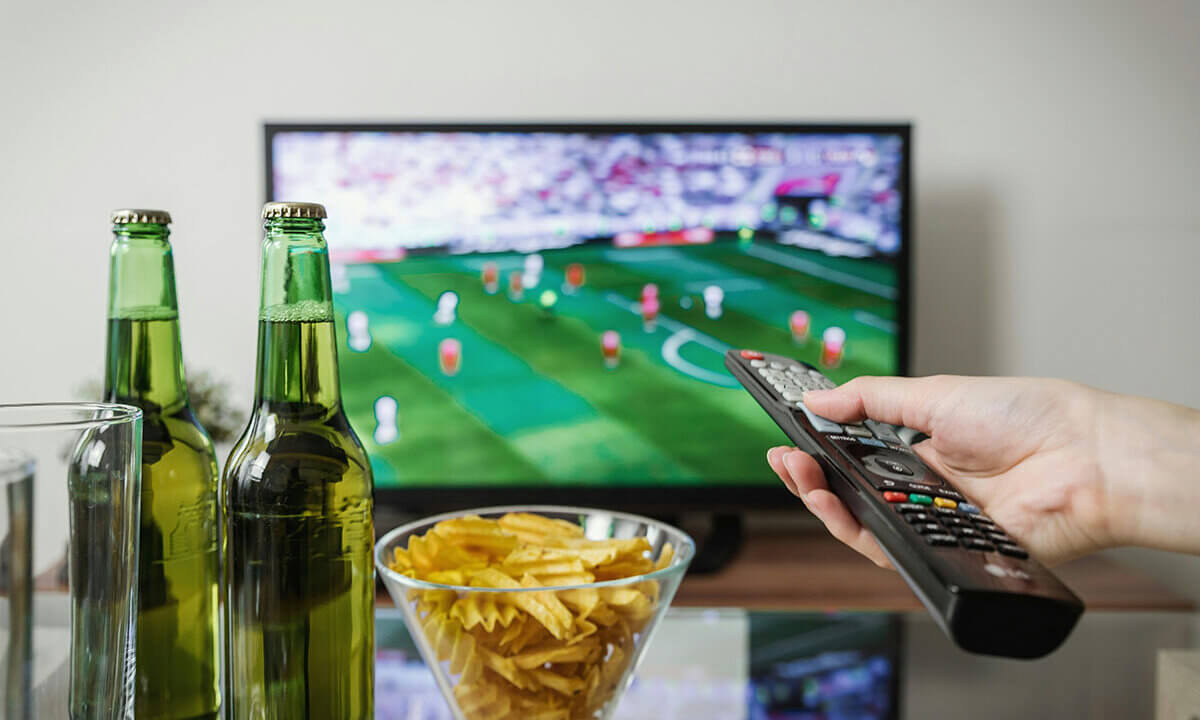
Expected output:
(792, 483)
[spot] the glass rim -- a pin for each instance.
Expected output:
(118, 414)
(679, 563)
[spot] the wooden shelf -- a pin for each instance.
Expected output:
(809, 570)
(803, 570)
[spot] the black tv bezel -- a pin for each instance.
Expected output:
(649, 498)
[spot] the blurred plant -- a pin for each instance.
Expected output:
(210, 400)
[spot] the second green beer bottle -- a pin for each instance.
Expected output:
(177, 625)
(296, 501)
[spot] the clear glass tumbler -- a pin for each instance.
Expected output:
(71, 478)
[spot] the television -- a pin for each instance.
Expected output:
(538, 312)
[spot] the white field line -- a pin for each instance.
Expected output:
(809, 267)
(681, 335)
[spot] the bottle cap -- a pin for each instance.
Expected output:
(293, 210)
(139, 215)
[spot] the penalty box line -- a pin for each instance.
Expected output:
(681, 335)
(808, 267)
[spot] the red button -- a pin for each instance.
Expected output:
(892, 496)
(752, 355)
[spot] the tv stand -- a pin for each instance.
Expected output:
(718, 539)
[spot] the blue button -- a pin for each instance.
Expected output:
(968, 508)
(871, 441)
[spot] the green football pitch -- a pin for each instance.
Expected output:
(533, 402)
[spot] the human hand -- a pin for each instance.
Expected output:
(1065, 469)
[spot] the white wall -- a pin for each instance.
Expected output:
(1057, 165)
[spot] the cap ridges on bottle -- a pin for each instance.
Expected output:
(293, 210)
(139, 215)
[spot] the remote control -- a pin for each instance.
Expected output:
(980, 585)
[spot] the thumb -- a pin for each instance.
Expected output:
(899, 401)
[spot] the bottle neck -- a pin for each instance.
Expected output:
(144, 357)
(297, 349)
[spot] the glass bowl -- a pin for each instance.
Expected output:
(554, 652)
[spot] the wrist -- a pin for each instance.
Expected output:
(1149, 453)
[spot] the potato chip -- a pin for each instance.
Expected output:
(533, 528)
(558, 683)
(555, 653)
(535, 654)
(477, 535)
(581, 600)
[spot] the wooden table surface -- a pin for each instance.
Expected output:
(807, 570)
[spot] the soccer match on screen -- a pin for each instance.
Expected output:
(513, 307)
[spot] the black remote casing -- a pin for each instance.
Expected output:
(987, 602)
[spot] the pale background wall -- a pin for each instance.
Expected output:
(1057, 164)
(1057, 167)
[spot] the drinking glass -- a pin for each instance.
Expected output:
(71, 478)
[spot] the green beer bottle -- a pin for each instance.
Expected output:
(296, 502)
(178, 566)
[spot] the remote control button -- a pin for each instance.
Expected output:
(911, 507)
(918, 517)
(818, 422)
(885, 484)
(792, 396)
(752, 355)
(796, 368)
(895, 497)
(999, 537)
(929, 528)
(941, 540)
(920, 499)
(775, 364)
(953, 522)
(968, 508)
(916, 487)
(984, 523)
(892, 465)
(976, 544)
(758, 363)
(883, 431)
(872, 442)
(1011, 550)
(764, 372)
(966, 532)
(858, 431)
(945, 512)
(945, 503)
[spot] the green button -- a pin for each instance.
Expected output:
(920, 499)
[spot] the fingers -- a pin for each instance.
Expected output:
(842, 525)
(899, 401)
(804, 472)
(803, 477)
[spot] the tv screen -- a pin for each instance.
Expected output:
(545, 308)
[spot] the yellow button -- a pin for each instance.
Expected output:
(943, 502)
